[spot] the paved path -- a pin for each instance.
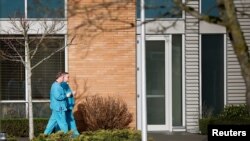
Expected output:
(163, 136)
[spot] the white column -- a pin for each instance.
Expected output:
(143, 73)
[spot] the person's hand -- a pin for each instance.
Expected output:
(73, 92)
(68, 94)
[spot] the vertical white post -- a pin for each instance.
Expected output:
(26, 9)
(26, 74)
(143, 73)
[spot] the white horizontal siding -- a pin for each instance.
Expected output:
(192, 90)
(236, 87)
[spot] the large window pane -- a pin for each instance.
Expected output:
(159, 9)
(155, 83)
(209, 7)
(12, 73)
(177, 79)
(44, 75)
(46, 9)
(11, 8)
(41, 110)
(12, 110)
(212, 74)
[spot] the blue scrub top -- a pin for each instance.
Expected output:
(70, 100)
(57, 97)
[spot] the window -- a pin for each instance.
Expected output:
(12, 76)
(209, 7)
(11, 8)
(12, 110)
(155, 81)
(159, 9)
(177, 79)
(212, 46)
(35, 8)
(44, 74)
(45, 8)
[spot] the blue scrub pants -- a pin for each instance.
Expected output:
(57, 118)
(71, 122)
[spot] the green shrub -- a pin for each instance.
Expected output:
(235, 112)
(99, 135)
(97, 112)
(232, 114)
(11, 139)
(203, 123)
(15, 127)
(20, 127)
(58, 136)
(111, 135)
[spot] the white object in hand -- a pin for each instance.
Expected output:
(68, 94)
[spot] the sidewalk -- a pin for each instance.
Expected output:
(163, 136)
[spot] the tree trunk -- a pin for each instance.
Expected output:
(31, 123)
(239, 43)
(28, 84)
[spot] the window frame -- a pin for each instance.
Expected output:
(161, 19)
(25, 100)
(39, 19)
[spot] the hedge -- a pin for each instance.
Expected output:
(20, 127)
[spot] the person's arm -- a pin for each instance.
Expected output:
(67, 89)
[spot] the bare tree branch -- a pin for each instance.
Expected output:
(11, 53)
(193, 12)
(47, 30)
(54, 52)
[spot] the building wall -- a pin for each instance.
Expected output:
(192, 84)
(236, 87)
(102, 59)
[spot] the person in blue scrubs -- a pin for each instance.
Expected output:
(70, 105)
(58, 106)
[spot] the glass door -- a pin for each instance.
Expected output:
(158, 83)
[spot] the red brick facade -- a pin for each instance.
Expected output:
(103, 58)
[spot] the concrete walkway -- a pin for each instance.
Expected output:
(163, 136)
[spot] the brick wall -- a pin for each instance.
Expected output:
(103, 58)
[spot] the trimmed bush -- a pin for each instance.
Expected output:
(203, 123)
(20, 127)
(58, 136)
(111, 135)
(235, 112)
(97, 112)
(99, 135)
(232, 114)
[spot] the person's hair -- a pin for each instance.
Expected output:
(65, 73)
(59, 74)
